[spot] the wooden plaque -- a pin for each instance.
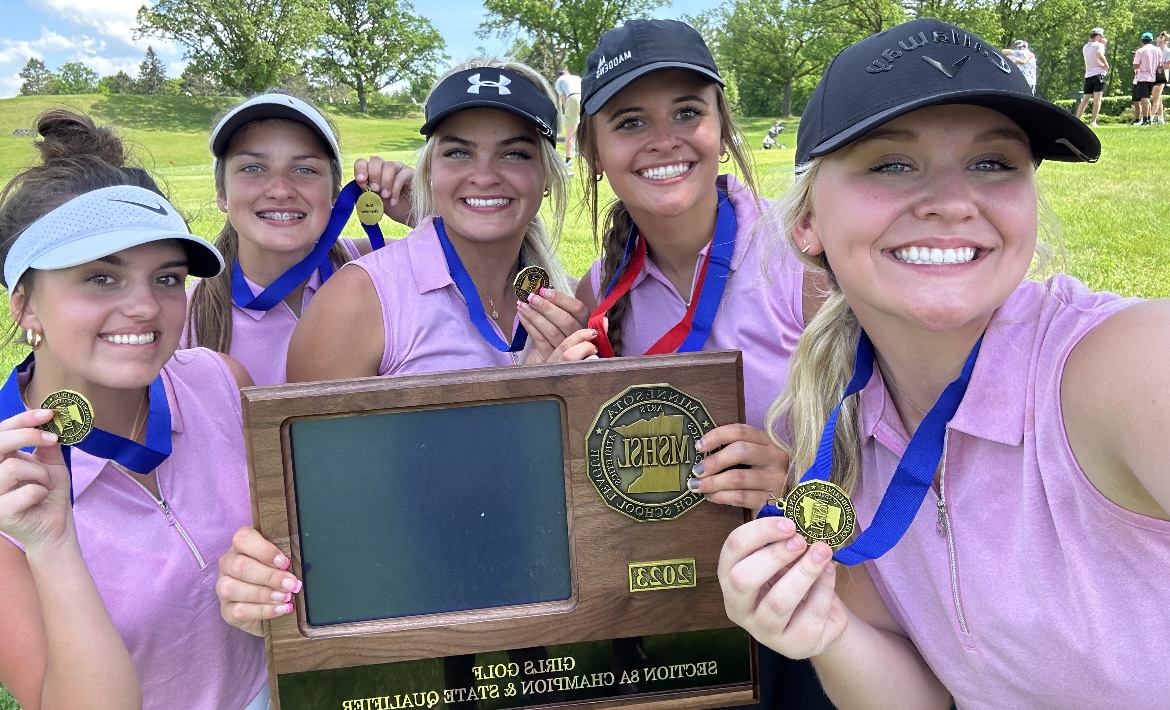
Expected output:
(571, 591)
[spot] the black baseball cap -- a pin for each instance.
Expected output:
(637, 48)
(927, 62)
(488, 87)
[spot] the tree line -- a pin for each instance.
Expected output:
(771, 52)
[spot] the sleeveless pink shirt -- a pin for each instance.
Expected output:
(1033, 590)
(427, 327)
(761, 312)
(260, 338)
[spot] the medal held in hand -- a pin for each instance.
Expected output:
(72, 416)
(821, 510)
(369, 208)
(530, 280)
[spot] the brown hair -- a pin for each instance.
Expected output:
(209, 313)
(77, 156)
(618, 221)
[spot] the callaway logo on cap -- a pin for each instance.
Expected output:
(928, 62)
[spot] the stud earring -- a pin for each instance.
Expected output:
(547, 191)
(806, 248)
(32, 338)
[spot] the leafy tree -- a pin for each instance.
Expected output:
(560, 33)
(370, 44)
(152, 75)
(35, 77)
(73, 78)
(119, 83)
(195, 82)
(248, 46)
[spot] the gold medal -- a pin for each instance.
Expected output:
(821, 511)
(530, 280)
(72, 416)
(369, 208)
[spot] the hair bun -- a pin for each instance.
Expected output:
(68, 136)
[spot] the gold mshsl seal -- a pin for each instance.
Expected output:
(72, 416)
(528, 280)
(821, 511)
(369, 208)
(641, 448)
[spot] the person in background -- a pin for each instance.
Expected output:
(1146, 61)
(1096, 68)
(1005, 441)
(1023, 57)
(568, 88)
(1162, 43)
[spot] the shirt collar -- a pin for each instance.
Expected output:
(995, 405)
(311, 287)
(428, 265)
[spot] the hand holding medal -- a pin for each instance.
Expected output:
(34, 482)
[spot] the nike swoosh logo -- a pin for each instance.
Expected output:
(954, 68)
(157, 209)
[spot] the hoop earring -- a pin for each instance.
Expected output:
(598, 177)
(724, 157)
(32, 338)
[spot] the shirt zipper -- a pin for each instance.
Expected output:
(171, 519)
(944, 529)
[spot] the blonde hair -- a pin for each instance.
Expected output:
(618, 221)
(539, 245)
(209, 313)
(823, 363)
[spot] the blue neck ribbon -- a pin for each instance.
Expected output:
(721, 249)
(102, 444)
(915, 472)
(475, 309)
(300, 272)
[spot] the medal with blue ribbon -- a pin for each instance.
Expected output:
(475, 309)
(692, 332)
(102, 444)
(821, 510)
(318, 259)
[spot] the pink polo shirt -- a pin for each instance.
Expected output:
(1042, 594)
(156, 567)
(260, 338)
(427, 328)
(760, 314)
(1146, 61)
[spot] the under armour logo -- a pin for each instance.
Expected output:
(949, 71)
(500, 86)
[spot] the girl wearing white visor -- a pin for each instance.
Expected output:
(112, 520)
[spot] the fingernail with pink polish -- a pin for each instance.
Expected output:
(285, 597)
(283, 609)
(534, 298)
(546, 292)
(281, 562)
(699, 445)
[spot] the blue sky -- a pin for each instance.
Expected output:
(100, 34)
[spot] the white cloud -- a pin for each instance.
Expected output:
(18, 51)
(113, 18)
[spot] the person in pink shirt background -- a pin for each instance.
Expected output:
(277, 177)
(1146, 61)
(107, 600)
(1037, 563)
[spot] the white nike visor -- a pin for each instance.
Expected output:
(103, 222)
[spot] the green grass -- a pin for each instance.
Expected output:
(1109, 212)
